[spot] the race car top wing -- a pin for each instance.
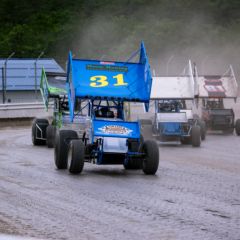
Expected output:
(52, 84)
(218, 86)
(183, 86)
(119, 81)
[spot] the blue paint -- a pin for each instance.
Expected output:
(137, 80)
(171, 129)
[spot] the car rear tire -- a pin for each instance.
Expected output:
(196, 136)
(151, 159)
(62, 139)
(51, 132)
(203, 129)
(42, 123)
(237, 127)
(76, 156)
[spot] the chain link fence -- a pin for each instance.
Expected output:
(20, 78)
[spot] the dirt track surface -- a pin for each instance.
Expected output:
(195, 194)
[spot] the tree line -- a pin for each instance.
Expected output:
(113, 28)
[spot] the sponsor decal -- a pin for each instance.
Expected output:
(106, 67)
(115, 129)
(107, 63)
(215, 88)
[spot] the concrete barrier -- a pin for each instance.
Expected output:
(13, 237)
(23, 110)
(22, 114)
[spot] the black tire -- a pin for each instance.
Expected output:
(203, 129)
(151, 159)
(40, 122)
(196, 136)
(237, 127)
(51, 132)
(185, 140)
(62, 140)
(76, 156)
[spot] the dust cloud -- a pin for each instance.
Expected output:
(170, 44)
